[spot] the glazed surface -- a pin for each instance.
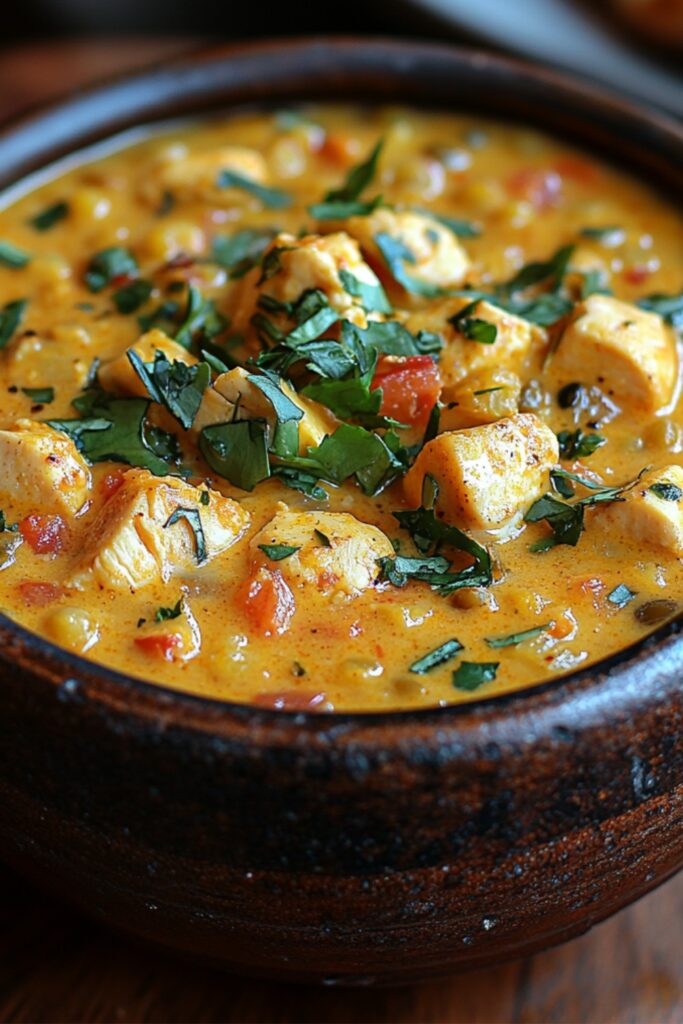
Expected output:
(129, 538)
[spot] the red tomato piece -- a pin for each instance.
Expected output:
(636, 275)
(290, 700)
(160, 645)
(39, 594)
(45, 534)
(410, 385)
(542, 187)
(583, 172)
(269, 603)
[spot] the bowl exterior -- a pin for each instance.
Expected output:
(355, 848)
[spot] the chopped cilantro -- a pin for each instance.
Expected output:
(395, 254)
(439, 656)
(372, 296)
(200, 320)
(107, 265)
(340, 209)
(516, 638)
(621, 595)
(240, 252)
(12, 256)
(11, 316)
(669, 307)
(176, 385)
(577, 445)
(129, 298)
(460, 228)
(470, 675)
(474, 328)
(272, 198)
(165, 614)
(50, 216)
(43, 396)
(429, 532)
(666, 491)
(192, 517)
(358, 178)
(237, 451)
(276, 552)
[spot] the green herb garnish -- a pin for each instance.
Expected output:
(50, 216)
(666, 491)
(516, 638)
(272, 198)
(470, 675)
(43, 396)
(129, 298)
(439, 656)
(12, 256)
(193, 519)
(276, 552)
(165, 614)
(577, 445)
(177, 386)
(372, 296)
(107, 265)
(237, 451)
(11, 316)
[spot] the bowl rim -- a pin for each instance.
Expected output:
(46, 659)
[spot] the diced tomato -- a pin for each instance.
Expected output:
(39, 594)
(637, 274)
(45, 534)
(290, 700)
(562, 626)
(340, 149)
(110, 483)
(269, 603)
(583, 172)
(542, 187)
(410, 385)
(160, 645)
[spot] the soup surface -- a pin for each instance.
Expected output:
(341, 409)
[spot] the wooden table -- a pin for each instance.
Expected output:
(56, 966)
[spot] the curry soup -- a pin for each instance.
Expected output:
(338, 409)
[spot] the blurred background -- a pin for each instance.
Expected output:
(635, 46)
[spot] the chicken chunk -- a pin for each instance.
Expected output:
(233, 395)
(195, 175)
(41, 467)
(438, 259)
(650, 513)
(154, 528)
(462, 356)
(120, 377)
(629, 353)
(487, 476)
(336, 553)
(313, 262)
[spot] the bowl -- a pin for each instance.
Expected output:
(346, 848)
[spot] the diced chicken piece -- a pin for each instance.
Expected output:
(629, 353)
(487, 476)
(438, 257)
(42, 468)
(650, 513)
(175, 639)
(307, 263)
(120, 377)
(482, 398)
(153, 528)
(195, 175)
(233, 395)
(462, 356)
(341, 558)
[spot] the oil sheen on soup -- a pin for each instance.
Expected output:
(341, 409)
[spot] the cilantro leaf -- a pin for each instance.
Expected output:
(470, 675)
(237, 451)
(114, 430)
(192, 517)
(11, 316)
(107, 265)
(201, 320)
(299, 480)
(460, 228)
(284, 408)
(358, 178)
(177, 386)
(621, 595)
(272, 198)
(129, 298)
(669, 307)
(372, 296)
(427, 532)
(550, 272)
(277, 552)
(666, 491)
(12, 256)
(343, 209)
(474, 328)
(395, 254)
(50, 216)
(43, 396)
(166, 614)
(439, 656)
(240, 252)
(577, 445)
(516, 638)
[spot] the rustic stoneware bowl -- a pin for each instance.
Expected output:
(350, 848)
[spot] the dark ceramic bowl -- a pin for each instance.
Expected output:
(350, 848)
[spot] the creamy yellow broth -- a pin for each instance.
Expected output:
(526, 195)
